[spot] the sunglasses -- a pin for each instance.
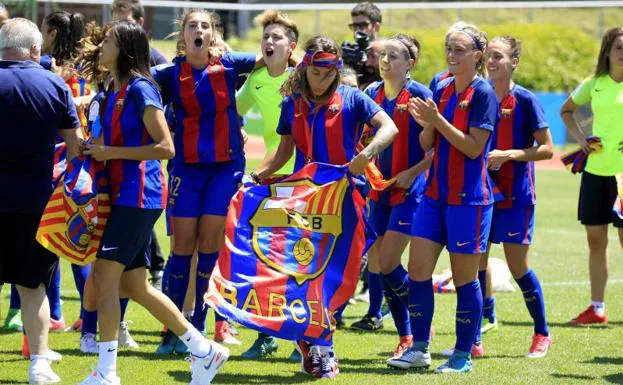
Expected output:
(358, 26)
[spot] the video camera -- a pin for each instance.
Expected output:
(355, 55)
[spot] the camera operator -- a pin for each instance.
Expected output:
(363, 54)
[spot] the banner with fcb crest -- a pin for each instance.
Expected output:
(75, 217)
(292, 254)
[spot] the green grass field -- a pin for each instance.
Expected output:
(559, 256)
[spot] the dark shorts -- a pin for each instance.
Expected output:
(127, 235)
(597, 196)
(23, 261)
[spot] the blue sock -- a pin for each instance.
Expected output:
(54, 294)
(468, 314)
(421, 309)
(123, 304)
(488, 309)
(177, 271)
(375, 288)
(398, 281)
(339, 312)
(533, 296)
(205, 266)
(89, 322)
(482, 280)
(400, 313)
(15, 301)
(81, 273)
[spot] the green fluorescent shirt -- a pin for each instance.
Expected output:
(606, 99)
(262, 90)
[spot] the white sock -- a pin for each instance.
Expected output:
(107, 361)
(38, 360)
(199, 346)
(599, 307)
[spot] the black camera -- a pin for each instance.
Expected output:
(355, 55)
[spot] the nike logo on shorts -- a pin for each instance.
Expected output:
(513, 234)
(104, 248)
(401, 223)
(461, 244)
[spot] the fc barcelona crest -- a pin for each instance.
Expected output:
(295, 229)
(464, 104)
(506, 112)
(334, 108)
(119, 104)
(401, 107)
(214, 69)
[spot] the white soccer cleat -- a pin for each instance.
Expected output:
(88, 344)
(205, 368)
(96, 378)
(411, 358)
(52, 356)
(42, 373)
(125, 339)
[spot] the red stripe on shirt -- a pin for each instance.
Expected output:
(216, 74)
(456, 159)
(193, 112)
(334, 130)
(505, 141)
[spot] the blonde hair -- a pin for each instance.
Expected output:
(271, 17)
(476, 35)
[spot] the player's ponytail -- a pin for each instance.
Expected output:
(69, 29)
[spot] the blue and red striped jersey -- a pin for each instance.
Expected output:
(207, 124)
(520, 116)
(438, 78)
(405, 151)
(454, 178)
(329, 133)
(134, 183)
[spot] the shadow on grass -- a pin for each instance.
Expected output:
(614, 378)
(557, 324)
(12, 382)
(605, 360)
(573, 376)
(232, 378)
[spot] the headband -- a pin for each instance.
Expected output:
(321, 59)
(471, 35)
(401, 40)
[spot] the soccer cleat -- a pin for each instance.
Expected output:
(307, 355)
(13, 321)
(368, 323)
(180, 347)
(457, 363)
(125, 339)
(262, 347)
(167, 344)
(96, 378)
(42, 373)
(57, 325)
(88, 344)
(205, 368)
(540, 346)
(295, 356)
(223, 334)
(478, 351)
(589, 317)
(411, 358)
(385, 312)
(488, 326)
(328, 366)
(405, 343)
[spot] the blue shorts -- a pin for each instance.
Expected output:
(203, 189)
(127, 236)
(513, 225)
(398, 218)
(461, 228)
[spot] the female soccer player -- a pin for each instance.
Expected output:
(262, 90)
(391, 212)
(456, 211)
(201, 86)
(307, 124)
(521, 122)
(598, 190)
(135, 138)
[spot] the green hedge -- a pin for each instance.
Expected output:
(555, 58)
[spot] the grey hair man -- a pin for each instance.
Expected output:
(35, 107)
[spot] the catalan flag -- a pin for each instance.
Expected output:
(75, 217)
(292, 254)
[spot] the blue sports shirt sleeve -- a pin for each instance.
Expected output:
(70, 118)
(365, 107)
(285, 119)
(535, 113)
(484, 108)
(243, 63)
(145, 94)
(163, 74)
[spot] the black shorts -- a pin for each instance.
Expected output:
(127, 235)
(597, 196)
(23, 261)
